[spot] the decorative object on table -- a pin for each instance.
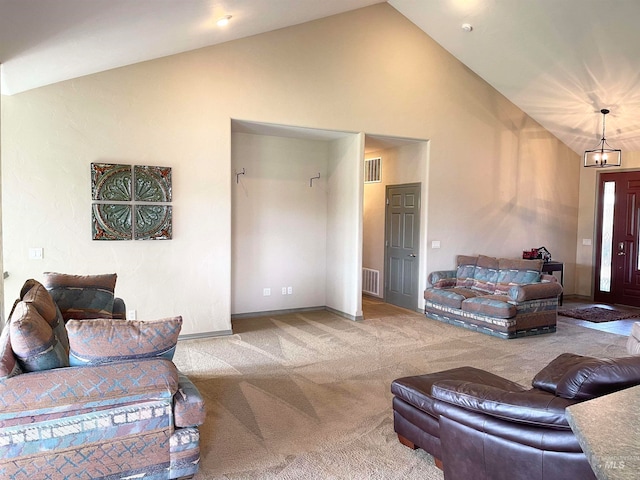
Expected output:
(536, 253)
(131, 202)
(603, 155)
(598, 314)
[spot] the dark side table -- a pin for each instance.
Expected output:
(552, 266)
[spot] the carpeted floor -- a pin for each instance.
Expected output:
(306, 396)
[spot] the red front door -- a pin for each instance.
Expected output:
(617, 277)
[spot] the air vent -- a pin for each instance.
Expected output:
(372, 170)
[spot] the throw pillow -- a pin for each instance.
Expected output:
(33, 341)
(465, 270)
(82, 296)
(109, 340)
(516, 272)
(486, 274)
(35, 293)
(8, 364)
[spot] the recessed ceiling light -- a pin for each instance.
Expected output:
(467, 27)
(224, 21)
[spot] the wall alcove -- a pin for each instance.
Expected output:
(297, 243)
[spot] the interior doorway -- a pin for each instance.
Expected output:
(402, 161)
(617, 265)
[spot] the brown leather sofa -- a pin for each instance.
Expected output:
(481, 426)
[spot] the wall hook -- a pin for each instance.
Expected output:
(238, 174)
(312, 179)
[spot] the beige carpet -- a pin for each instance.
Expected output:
(306, 396)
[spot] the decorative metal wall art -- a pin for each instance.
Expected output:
(131, 202)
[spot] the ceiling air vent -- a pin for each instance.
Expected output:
(372, 170)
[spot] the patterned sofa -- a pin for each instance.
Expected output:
(88, 398)
(503, 297)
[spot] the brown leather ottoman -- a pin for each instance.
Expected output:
(480, 426)
(415, 418)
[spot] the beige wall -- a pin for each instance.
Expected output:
(498, 182)
(344, 226)
(279, 234)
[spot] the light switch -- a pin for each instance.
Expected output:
(435, 244)
(586, 241)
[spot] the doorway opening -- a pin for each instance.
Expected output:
(399, 271)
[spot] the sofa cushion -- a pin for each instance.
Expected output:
(490, 305)
(33, 341)
(82, 296)
(466, 269)
(35, 293)
(516, 272)
(100, 341)
(449, 297)
(485, 274)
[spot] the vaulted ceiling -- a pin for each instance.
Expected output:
(559, 61)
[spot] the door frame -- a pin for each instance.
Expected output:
(386, 272)
(614, 296)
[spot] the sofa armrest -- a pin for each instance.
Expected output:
(534, 291)
(188, 405)
(71, 389)
(551, 374)
(119, 309)
(443, 278)
(531, 407)
(582, 378)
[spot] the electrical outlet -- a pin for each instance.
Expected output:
(284, 290)
(289, 290)
(266, 292)
(132, 314)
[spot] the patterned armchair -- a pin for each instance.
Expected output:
(92, 398)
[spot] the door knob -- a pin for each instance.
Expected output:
(411, 255)
(621, 253)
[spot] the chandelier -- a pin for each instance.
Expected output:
(603, 155)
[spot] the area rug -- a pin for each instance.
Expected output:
(598, 314)
(306, 396)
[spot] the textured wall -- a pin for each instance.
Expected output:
(498, 182)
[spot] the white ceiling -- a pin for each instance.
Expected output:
(560, 61)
